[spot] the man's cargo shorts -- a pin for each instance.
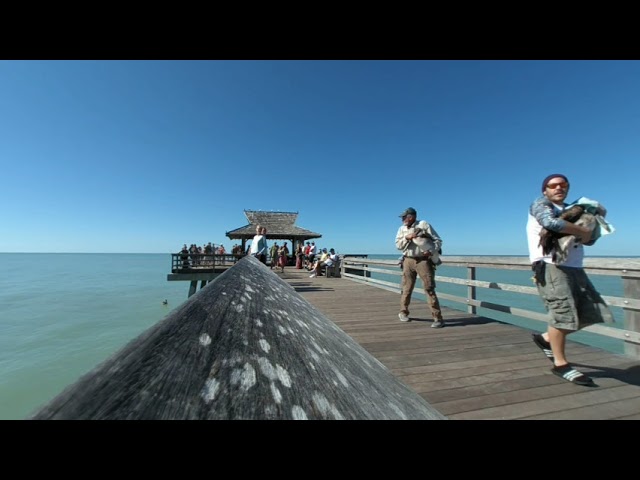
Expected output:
(571, 299)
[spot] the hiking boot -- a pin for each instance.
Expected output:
(572, 375)
(438, 324)
(403, 317)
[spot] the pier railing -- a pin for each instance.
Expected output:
(627, 269)
(247, 346)
(201, 262)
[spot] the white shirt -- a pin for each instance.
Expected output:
(575, 256)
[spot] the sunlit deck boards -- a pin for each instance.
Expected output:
(475, 368)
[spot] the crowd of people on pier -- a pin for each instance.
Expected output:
(278, 256)
(195, 255)
(306, 256)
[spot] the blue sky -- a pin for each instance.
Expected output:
(143, 156)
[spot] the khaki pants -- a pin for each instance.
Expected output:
(411, 267)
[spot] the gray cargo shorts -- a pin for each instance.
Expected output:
(571, 299)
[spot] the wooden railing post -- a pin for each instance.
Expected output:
(631, 287)
(471, 290)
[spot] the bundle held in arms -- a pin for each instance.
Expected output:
(583, 212)
(426, 244)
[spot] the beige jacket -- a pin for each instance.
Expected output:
(429, 242)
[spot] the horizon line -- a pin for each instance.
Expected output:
(394, 254)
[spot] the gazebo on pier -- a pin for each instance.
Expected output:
(206, 267)
(279, 225)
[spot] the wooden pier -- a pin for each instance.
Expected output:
(259, 344)
(475, 367)
(245, 347)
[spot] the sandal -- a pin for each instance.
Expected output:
(572, 375)
(545, 346)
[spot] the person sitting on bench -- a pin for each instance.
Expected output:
(326, 260)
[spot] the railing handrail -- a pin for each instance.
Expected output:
(621, 264)
(628, 269)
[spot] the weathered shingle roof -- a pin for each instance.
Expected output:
(280, 225)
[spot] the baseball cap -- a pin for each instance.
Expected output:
(408, 211)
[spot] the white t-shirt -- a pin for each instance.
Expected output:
(255, 244)
(575, 256)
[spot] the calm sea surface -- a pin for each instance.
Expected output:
(62, 314)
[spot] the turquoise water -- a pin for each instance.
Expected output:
(62, 314)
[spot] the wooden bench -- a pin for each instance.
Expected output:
(334, 270)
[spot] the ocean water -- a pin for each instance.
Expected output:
(63, 314)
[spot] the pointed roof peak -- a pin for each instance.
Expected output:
(279, 225)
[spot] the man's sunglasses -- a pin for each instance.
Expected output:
(553, 186)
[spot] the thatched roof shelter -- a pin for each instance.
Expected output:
(280, 226)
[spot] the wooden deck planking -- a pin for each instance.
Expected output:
(475, 368)
(617, 410)
(635, 416)
(556, 401)
(449, 385)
